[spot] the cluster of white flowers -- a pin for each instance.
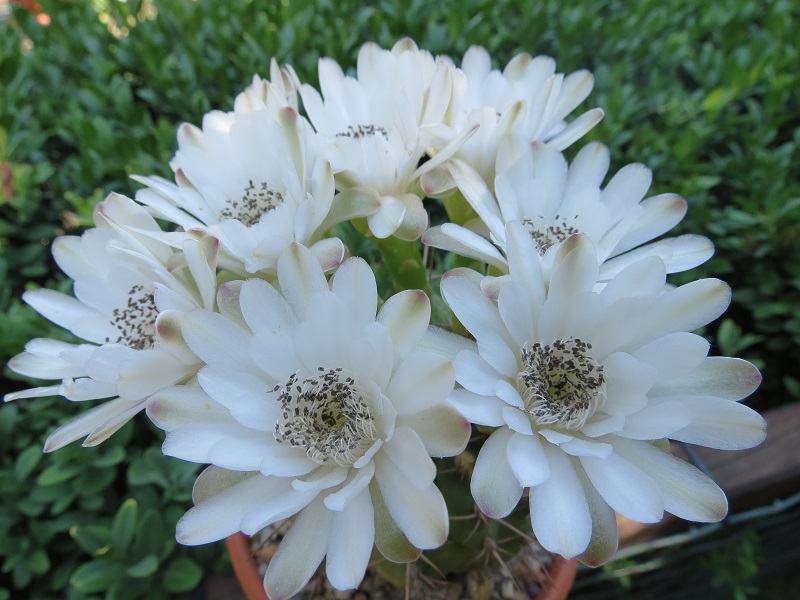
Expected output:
(264, 351)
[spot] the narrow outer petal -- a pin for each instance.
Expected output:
(560, 514)
(494, 485)
(299, 553)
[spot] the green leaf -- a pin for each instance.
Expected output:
(114, 456)
(144, 568)
(93, 539)
(124, 525)
(96, 575)
(58, 473)
(150, 534)
(27, 461)
(39, 562)
(182, 575)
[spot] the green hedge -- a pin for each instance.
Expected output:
(709, 98)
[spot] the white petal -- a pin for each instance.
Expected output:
(686, 308)
(442, 429)
(479, 196)
(69, 313)
(408, 454)
(661, 214)
(350, 543)
(300, 275)
(576, 129)
(464, 242)
(517, 313)
(99, 423)
(605, 539)
(220, 512)
(674, 354)
(421, 381)
(406, 315)
(244, 395)
(275, 507)
(655, 421)
(475, 374)
(720, 376)
(524, 261)
(354, 283)
(330, 252)
(340, 500)
(420, 514)
(722, 424)
(481, 317)
(517, 420)
(321, 478)
(391, 542)
(299, 553)
(688, 493)
(527, 459)
(216, 340)
(560, 514)
(445, 342)
(580, 447)
(264, 309)
(627, 383)
(626, 488)
(481, 410)
(388, 218)
(494, 485)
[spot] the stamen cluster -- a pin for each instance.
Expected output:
(360, 131)
(556, 232)
(561, 384)
(136, 321)
(256, 201)
(327, 415)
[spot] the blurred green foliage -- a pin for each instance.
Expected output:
(708, 95)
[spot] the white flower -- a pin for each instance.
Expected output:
(255, 181)
(555, 200)
(374, 127)
(528, 101)
(584, 387)
(270, 94)
(130, 293)
(311, 405)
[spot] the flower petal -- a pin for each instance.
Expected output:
(722, 424)
(442, 429)
(526, 458)
(406, 315)
(420, 382)
(494, 485)
(300, 275)
(560, 514)
(626, 488)
(350, 543)
(299, 553)
(420, 514)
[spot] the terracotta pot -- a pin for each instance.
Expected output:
(557, 587)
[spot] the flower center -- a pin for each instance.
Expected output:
(556, 232)
(360, 131)
(257, 200)
(136, 321)
(561, 384)
(327, 415)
